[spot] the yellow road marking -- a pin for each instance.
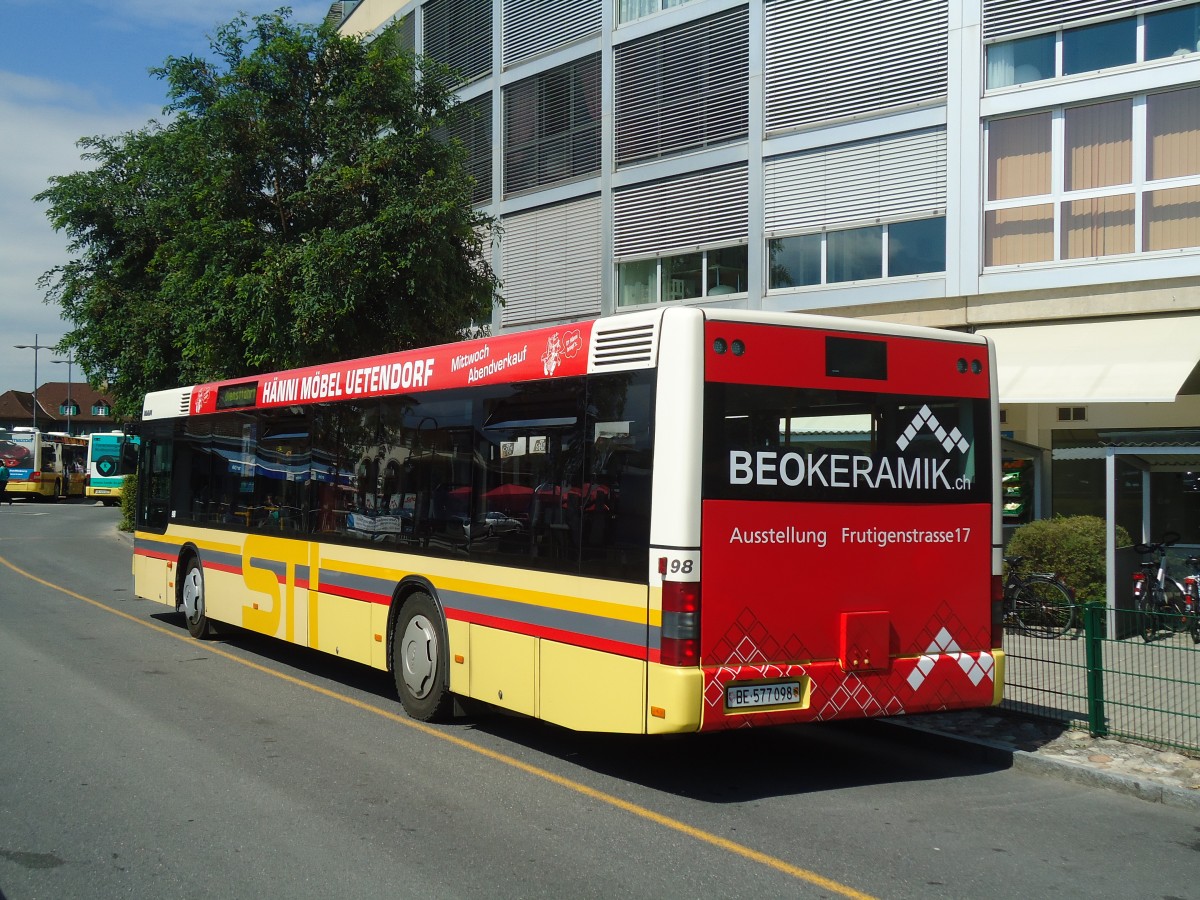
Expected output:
(642, 812)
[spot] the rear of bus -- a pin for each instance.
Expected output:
(848, 534)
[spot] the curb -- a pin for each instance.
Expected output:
(1032, 763)
(1151, 792)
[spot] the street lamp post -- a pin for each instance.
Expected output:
(35, 347)
(70, 361)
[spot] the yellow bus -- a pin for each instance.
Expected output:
(43, 465)
(668, 521)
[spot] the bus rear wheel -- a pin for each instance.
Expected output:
(191, 597)
(419, 661)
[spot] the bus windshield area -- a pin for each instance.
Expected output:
(784, 443)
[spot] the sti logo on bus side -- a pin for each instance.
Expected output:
(846, 470)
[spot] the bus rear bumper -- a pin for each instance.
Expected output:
(737, 696)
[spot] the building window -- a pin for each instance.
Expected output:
(1021, 61)
(854, 254)
(458, 34)
(1063, 184)
(1173, 32)
(69, 408)
(552, 126)
(1090, 48)
(685, 276)
(471, 124)
(683, 89)
(858, 254)
(405, 33)
(629, 10)
(1102, 46)
(101, 409)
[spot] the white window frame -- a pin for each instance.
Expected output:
(1139, 185)
(704, 297)
(1139, 51)
(825, 283)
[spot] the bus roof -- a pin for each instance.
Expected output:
(614, 343)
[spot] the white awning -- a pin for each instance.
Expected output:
(1115, 361)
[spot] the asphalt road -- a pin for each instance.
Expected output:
(137, 762)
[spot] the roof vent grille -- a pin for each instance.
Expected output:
(629, 347)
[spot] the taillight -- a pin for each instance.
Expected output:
(679, 641)
(997, 612)
(1139, 583)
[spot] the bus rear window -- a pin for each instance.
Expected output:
(779, 443)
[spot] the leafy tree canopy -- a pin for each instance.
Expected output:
(302, 203)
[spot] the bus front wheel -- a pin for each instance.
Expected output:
(191, 597)
(419, 660)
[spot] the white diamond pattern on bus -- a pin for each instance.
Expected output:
(943, 643)
(975, 667)
(926, 419)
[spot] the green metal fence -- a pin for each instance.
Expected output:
(1105, 677)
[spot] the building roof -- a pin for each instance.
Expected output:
(16, 407)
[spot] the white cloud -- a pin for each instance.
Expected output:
(43, 120)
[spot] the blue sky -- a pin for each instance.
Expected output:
(71, 68)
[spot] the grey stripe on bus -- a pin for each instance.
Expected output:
(560, 619)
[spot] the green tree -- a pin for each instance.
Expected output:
(300, 203)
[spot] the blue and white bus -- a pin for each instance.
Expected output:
(110, 457)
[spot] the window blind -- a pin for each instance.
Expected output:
(552, 126)
(705, 209)
(458, 34)
(892, 178)
(406, 32)
(825, 61)
(684, 88)
(471, 123)
(535, 26)
(551, 263)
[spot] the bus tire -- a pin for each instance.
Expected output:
(191, 598)
(419, 660)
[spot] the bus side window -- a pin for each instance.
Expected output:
(615, 505)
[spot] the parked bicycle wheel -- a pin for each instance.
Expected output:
(1147, 617)
(1175, 612)
(1044, 607)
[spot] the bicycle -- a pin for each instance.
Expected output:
(1038, 603)
(1191, 590)
(1159, 600)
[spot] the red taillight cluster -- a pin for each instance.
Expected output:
(997, 611)
(679, 644)
(1139, 583)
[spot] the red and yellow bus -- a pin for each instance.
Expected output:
(50, 465)
(668, 521)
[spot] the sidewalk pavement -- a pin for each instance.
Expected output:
(1043, 747)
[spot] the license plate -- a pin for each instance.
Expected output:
(745, 696)
(101, 490)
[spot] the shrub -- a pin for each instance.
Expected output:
(1072, 546)
(128, 502)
